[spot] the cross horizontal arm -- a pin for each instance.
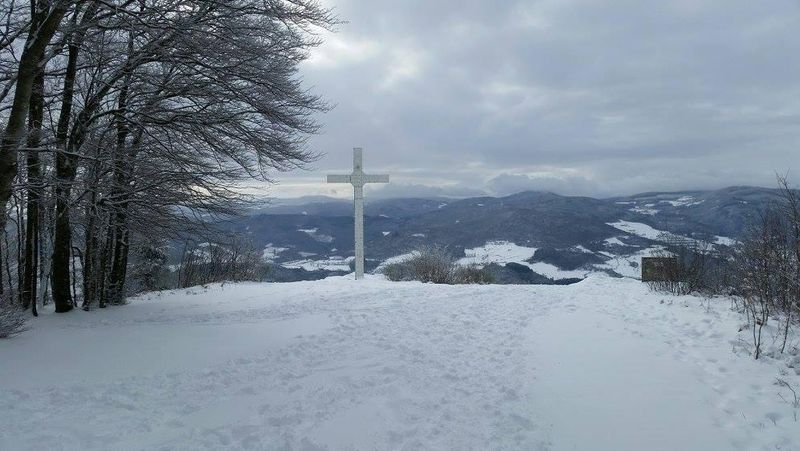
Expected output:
(377, 178)
(338, 179)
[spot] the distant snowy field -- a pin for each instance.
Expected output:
(600, 365)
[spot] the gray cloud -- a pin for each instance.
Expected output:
(394, 190)
(596, 97)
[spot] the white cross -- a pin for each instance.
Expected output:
(358, 179)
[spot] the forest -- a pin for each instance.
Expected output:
(131, 123)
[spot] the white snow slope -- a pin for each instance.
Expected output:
(600, 365)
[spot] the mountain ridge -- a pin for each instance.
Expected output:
(571, 233)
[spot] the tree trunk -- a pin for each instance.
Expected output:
(66, 169)
(29, 64)
(89, 252)
(119, 262)
(120, 194)
(32, 233)
(2, 285)
(10, 292)
(19, 201)
(60, 279)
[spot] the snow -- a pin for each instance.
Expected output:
(724, 241)
(396, 259)
(646, 231)
(614, 241)
(554, 272)
(503, 252)
(500, 252)
(271, 252)
(644, 210)
(313, 233)
(333, 263)
(684, 201)
(638, 229)
(629, 265)
(604, 364)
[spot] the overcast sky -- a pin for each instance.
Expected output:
(590, 97)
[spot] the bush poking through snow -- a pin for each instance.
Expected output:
(428, 264)
(764, 268)
(436, 265)
(150, 270)
(398, 272)
(12, 319)
(765, 273)
(472, 275)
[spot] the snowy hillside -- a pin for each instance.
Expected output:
(600, 365)
(572, 236)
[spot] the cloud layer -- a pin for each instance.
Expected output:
(597, 97)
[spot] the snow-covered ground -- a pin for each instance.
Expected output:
(500, 252)
(629, 265)
(334, 364)
(313, 233)
(271, 252)
(644, 230)
(334, 263)
(504, 252)
(651, 233)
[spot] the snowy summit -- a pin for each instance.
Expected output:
(604, 364)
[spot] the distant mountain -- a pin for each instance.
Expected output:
(558, 236)
(329, 206)
(725, 212)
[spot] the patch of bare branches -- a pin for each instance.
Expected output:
(133, 122)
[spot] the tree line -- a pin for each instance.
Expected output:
(128, 122)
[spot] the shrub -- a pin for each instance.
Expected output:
(428, 264)
(436, 265)
(12, 319)
(150, 268)
(472, 275)
(432, 264)
(765, 276)
(398, 272)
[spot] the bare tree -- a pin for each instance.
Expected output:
(30, 62)
(160, 108)
(791, 256)
(759, 263)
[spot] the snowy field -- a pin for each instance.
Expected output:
(599, 365)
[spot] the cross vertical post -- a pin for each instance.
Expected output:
(358, 213)
(358, 179)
